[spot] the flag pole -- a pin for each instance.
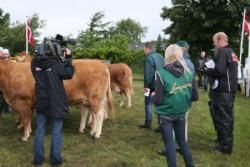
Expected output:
(242, 35)
(249, 44)
(27, 44)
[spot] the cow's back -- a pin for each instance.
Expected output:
(90, 81)
(121, 76)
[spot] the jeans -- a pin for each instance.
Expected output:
(56, 140)
(148, 111)
(176, 123)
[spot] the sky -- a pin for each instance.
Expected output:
(72, 16)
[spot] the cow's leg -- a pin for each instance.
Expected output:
(122, 100)
(26, 121)
(90, 121)
(94, 121)
(128, 95)
(30, 129)
(84, 114)
(19, 124)
(99, 122)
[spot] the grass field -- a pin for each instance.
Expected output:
(123, 144)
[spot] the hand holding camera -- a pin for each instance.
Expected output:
(51, 48)
(67, 53)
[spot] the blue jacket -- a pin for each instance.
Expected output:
(189, 63)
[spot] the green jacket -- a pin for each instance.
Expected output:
(177, 93)
(152, 62)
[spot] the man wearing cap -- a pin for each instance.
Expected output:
(185, 47)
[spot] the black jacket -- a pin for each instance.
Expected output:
(225, 70)
(49, 74)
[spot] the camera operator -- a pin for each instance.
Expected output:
(51, 101)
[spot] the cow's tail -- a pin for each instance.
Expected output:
(110, 98)
(131, 84)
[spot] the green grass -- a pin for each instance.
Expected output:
(123, 144)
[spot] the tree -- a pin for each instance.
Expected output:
(96, 30)
(159, 44)
(197, 20)
(130, 28)
(12, 36)
(4, 27)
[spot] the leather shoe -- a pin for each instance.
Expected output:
(157, 130)
(161, 152)
(145, 126)
(223, 151)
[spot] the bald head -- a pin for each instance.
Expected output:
(220, 39)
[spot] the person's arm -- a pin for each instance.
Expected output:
(220, 66)
(66, 70)
(148, 73)
(158, 96)
(195, 92)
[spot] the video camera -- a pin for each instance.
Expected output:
(53, 48)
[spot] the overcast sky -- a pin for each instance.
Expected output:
(72, 16)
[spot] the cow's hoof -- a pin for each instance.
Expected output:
(129, 106)
(92, 133)
(19, 126)
(97, 136)
(81, 131)
(25, 139)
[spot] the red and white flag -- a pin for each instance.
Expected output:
(246, 25)
(29, 33)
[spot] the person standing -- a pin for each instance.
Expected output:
(172, 98)
(185, 48)
(4, 107)
(152, 62)
(51, 101)
(202, 77)
(223, 95)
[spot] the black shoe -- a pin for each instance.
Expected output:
(158, 130)
(145, 126)
(223, 151)
(161, 152)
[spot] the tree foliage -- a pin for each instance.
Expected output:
(132, 29)
(12, 35)
(102, 41)
(196, 21)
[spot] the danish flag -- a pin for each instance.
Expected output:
(29, 33)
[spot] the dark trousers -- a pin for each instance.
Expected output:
(148, 111)
(222, 113)
(4, 107)
(202, 80)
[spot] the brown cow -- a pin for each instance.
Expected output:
(121, 81)
(23, 57)
(89, 88)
